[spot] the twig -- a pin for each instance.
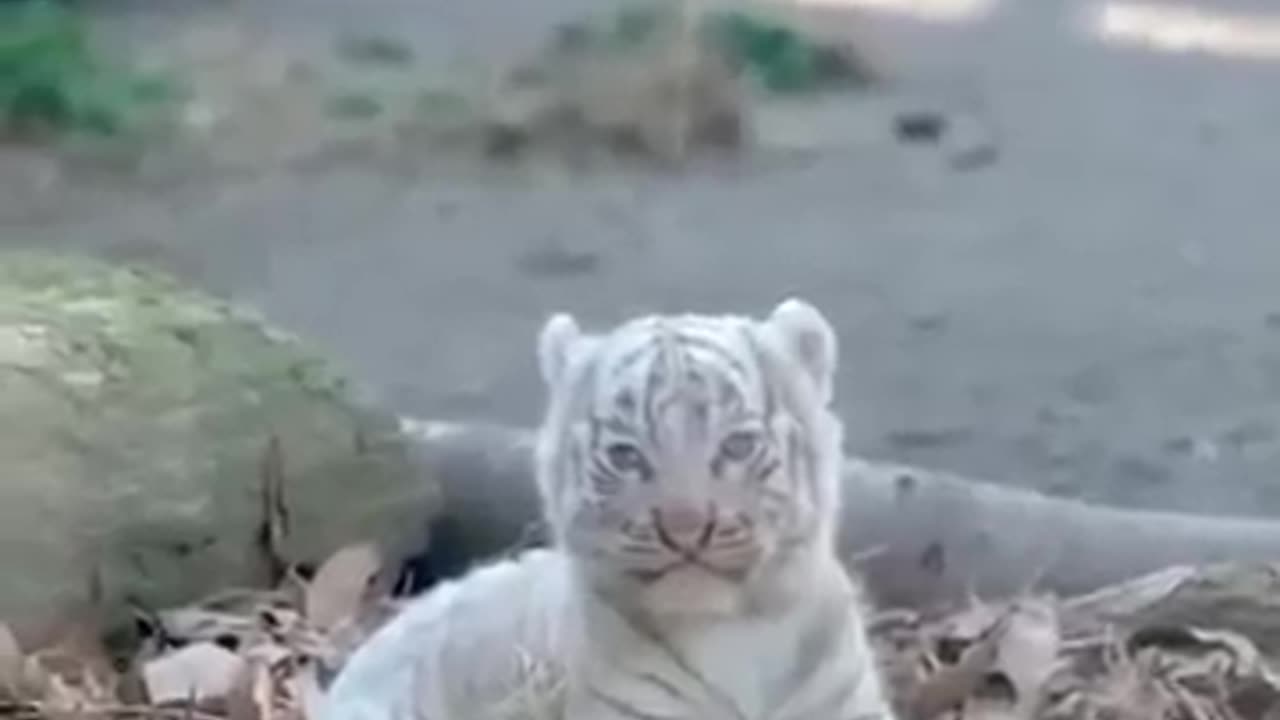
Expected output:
(40, 711)
(275, 513)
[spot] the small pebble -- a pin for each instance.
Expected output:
(920, 126)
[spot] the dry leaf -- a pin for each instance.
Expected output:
(341, 585)
(61, 701)
(200, 671)
(952, 684)
(273, 685)
(249, 696)
(1028, 652)
(35, 681)
(1218, 672)
(77, 655)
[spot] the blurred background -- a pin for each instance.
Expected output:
(1044, 230)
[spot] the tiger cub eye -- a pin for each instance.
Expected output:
(626, 458)
(740, 445)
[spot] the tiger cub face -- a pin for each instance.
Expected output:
(689, 462)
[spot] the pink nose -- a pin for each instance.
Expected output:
(682, 519)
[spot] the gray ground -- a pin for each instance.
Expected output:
(1095, 314)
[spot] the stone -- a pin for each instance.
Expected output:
(138, 420)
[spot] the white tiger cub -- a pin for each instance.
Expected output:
(688, 467)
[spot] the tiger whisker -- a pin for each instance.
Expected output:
(641, 550)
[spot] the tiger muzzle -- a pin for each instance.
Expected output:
(685, 528)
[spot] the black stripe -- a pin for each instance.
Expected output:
(664, 384)
(614, 424)
(727, 356)
(766, 470)
(653, 381)
(665, 686)
(766, 388)
(626, 709)
(632, 357)
(603, 477)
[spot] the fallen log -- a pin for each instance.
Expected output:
(919, 537)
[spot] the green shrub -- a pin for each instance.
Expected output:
(53, 80)
(780, 58)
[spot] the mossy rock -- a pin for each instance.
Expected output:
(137, 418)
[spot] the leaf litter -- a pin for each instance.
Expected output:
(241, 654)
(1182, 644)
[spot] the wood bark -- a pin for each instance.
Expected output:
(918, 537)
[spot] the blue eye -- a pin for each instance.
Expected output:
(740, 445)
(626, 458)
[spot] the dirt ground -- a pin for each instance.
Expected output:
(1094, 313)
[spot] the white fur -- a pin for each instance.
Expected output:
(463, 649)
(788, 643)
(809, 340)
(555, 343)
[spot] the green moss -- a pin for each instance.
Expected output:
(136, 413)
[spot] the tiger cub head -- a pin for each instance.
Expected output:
(688, 464)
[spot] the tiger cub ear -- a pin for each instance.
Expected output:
(809, 341)
(556, 344)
